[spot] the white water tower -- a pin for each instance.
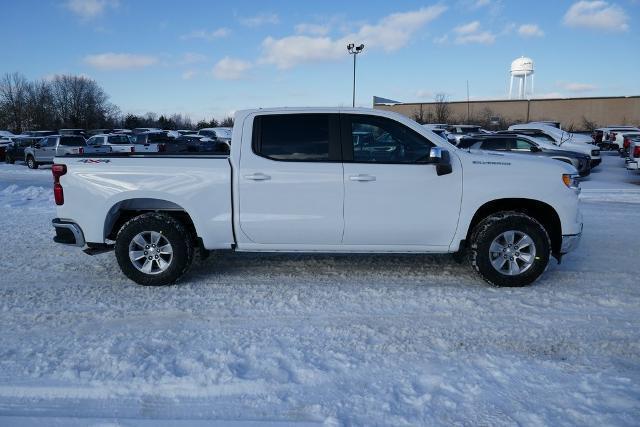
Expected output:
(520, 69)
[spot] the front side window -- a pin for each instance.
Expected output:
(72, 141)
(382, 140)
(119, 139)
(523, 145)
(293, 137)
(497, 144)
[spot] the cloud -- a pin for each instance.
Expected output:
(577, 87)
(193, 58)
(119, 61)
(472, 33)
(390, 33)
(206, 35)
(530, 30)
(469, 28)
(596, 15)
(312, 29)
(89, 9)
(230, 69)
(260, 19)
(189, 74)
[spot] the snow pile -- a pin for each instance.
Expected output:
(15, 196)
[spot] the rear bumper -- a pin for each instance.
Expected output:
(68, 233)
(633, 165)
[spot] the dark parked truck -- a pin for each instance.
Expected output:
(297, 180)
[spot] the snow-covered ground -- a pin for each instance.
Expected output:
(333, 340)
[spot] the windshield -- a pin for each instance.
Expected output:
(73, 141)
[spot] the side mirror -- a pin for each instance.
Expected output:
(440, 157)
(535, 149)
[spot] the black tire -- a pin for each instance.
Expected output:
(493, 226)
(9, 159)
(31, 163)
(180, 238)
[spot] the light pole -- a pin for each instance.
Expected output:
(354, 50)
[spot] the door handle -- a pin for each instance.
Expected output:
(362, 178)
(257, 177)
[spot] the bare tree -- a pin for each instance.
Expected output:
(443, 109)
(13, 100)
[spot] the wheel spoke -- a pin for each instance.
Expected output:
(147, 266)
(524, 242)
(526, 258)
(155, 237)
(509, 237)
(498, 263)
(136, 255)
(514, 268)
(496, 247)
(162, 264)
(139, 240)
(166, 249)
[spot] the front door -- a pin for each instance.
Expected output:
(290, 181)
(393, 197)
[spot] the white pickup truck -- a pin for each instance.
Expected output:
(297, 180)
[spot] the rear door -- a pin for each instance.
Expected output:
(40, 148)
(394, 199)
(290, 181)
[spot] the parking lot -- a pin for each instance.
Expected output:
(359, 339)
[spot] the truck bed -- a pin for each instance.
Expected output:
(97, 186)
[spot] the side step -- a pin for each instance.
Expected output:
(97, 249)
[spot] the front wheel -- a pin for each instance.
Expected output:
(31, 163)
(510, 249)
(154, 249)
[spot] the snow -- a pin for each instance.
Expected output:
(250, 339)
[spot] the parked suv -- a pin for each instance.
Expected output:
(43, 151)
(15, 150)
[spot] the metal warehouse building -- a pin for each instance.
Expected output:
(572, 113)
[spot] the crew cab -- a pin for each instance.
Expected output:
(296, 180)
(116, 143)
(45, 150)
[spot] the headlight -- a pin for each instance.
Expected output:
(571, 180)
(595, 153)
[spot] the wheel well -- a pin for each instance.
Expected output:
(542, 212)
(127, 209)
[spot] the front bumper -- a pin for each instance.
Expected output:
(570, 242)
(68, 233)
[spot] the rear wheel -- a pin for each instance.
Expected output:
(510, 249)
(31, 163)
(154, 249)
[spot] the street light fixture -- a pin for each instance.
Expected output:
(354, 50)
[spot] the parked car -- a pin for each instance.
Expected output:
(633, 160)
(67, 132)
(6, 134)
(456, 132)
(143, 130)
(562, 140)
(15, 150)
(627, 140)
(4, 142)
(605, 137)
(40, 133)
(45, 150)
(94, 132)
(616, 137)
(548, 123)
(153, 141)
(300, 186)
(203, 144)
(521, 144)
(219, 133)
(116, 142)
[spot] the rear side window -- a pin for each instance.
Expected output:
(499, 144)
(293, 137)
(73, 141)
(119, 139)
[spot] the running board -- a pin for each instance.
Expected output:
(97, 249)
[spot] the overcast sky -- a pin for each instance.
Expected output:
(207, 58)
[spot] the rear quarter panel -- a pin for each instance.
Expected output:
(94, 187)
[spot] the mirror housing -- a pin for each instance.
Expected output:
(440, 157)
(535, 149)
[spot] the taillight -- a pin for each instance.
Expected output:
(133, 149)
(626, 142)
(636, 151)
(81, 150)
(58, 193)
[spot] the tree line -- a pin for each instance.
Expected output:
(70, 101)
